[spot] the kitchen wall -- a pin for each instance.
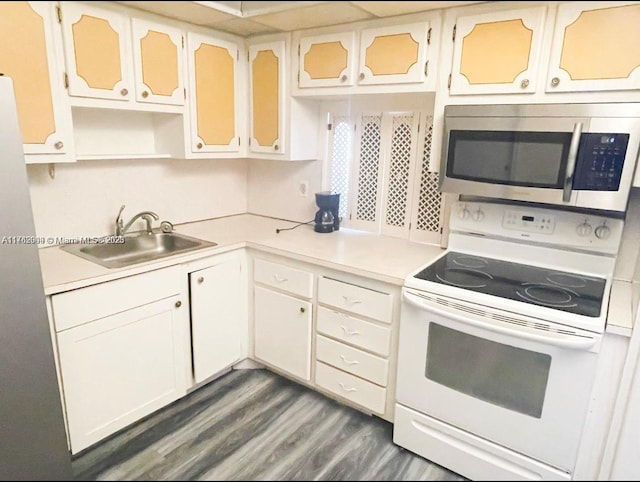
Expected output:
(84, 198)
(629, 252)
(273, 188)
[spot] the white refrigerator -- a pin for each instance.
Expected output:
(33, 443)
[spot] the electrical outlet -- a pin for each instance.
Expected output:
(303, 188)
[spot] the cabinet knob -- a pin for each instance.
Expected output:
(343, 78)
(361, 76)
(200, 279)
(178, 304)
(199, 145)
(555, 81)
(145, 94)
(302, 310)
(124, 92)
(525, 83)
(59, 145)
(275, 148)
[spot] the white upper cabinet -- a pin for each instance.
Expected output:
(31, 54)
(595, 47)
(327, 60)
(97, 52)
(158, 66)
(497, 52)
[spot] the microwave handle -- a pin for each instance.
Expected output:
(571, 161)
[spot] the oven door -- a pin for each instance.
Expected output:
(516, 381)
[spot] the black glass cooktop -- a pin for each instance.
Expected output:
(569, 292)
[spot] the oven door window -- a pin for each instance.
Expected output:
(509, 377)
(533, 159)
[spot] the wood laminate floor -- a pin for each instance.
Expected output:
(255, 425)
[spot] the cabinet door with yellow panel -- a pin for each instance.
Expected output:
(595, 47)
(327, 60)
(97, 52)
(213, 94)
(266, 79)
(497, 52)
(30, 53)
(157, 55)
(394, 54)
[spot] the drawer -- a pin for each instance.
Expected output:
(284, 277)
(352, 388)
(76, 307)
(356, 299)
(354, 331)
(352, 360)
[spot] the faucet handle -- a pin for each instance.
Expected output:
(119, 221)
(166, 227)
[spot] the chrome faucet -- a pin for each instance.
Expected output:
(148, 216)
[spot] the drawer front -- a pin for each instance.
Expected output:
(286, 278)
(354, 331)
(352, 388)
(73, 308)
(356, 299)
(352, 360)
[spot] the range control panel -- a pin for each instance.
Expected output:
(549, 226)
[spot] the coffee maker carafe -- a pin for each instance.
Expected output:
(326, 218)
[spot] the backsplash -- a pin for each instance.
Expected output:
(84, 198)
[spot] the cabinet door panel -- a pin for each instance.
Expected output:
(282, 332)
(395, 54)
(595, 47)
(213, 94)
(97, 46)
(266, 77)
(327, 60)
(120, 368)
(216, 315)
(157, 51)
(497, 52)
(29, 56)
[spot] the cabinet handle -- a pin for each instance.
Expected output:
(348, 362)
(343, 78)
(59, 145)
(524, 84)
(302, 310)
(178, 304)
(361, 76)
(200, 279)
(145, 94)
(349, 332)
(280, 279)
(199, 145)
(345, 388)
(350, 301)
(555, 81)
(275, 148)
(124, 92)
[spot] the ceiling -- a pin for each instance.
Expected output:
(256, 18)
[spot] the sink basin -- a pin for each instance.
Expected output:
(137, 248)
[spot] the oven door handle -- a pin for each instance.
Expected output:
(571, 162)
(566, 341)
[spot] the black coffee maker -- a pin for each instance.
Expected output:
(327, 219)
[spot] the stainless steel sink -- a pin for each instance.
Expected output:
(137, 248)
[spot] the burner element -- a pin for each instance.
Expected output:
(469, 261)
(548, 295)
(465, 277)
(567, 280)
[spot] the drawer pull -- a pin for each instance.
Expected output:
(349, 332)
(348, 362)
(280, 279)
(345, 388)
(351, 301)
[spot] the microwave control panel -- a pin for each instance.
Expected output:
(600, 161)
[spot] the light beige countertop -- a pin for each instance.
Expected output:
(383, 258)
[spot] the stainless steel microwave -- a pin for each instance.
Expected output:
(581, 155)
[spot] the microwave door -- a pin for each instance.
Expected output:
(527, 159)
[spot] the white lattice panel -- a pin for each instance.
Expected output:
(398, 172)
(365, 207)
(341, 161)
(426, 226)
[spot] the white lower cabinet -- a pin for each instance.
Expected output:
(282, 332)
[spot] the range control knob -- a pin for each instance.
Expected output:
(584, 229)
(477, 215)
(603, 231)
(464, 213)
